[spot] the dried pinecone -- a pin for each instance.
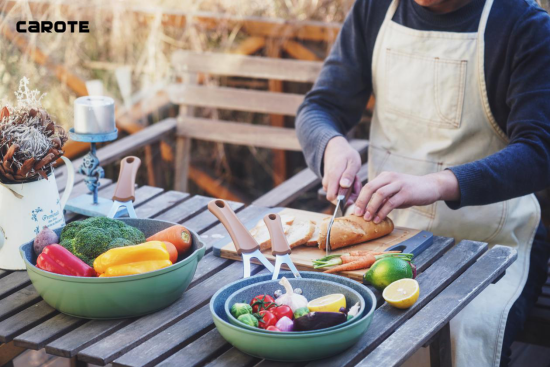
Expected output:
(30, 143)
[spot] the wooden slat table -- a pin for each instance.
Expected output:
(184, 334)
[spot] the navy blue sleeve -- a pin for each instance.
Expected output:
(518, 75)
(341, 92)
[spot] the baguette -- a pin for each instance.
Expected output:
(300, 232)
(285, 219)
(351, 230)
(261, 234)
(314, 240)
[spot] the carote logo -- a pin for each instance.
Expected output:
(46, 26)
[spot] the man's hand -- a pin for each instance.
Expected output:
(341, 164)
(391, 190)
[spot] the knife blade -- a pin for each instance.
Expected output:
(341, 200)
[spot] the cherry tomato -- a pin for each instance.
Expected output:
(272, 328)
(283, 310)
(266, 319)
(262, 302)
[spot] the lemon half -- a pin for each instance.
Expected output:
(330, 303)
(402, 293)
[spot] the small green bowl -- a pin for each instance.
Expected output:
(312, 289)
(292, 348)
(117, 297)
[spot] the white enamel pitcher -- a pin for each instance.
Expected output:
(27, 207)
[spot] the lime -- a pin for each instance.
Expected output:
(386, 271)
(330, 303)
(402, 293)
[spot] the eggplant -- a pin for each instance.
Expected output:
(319, 320)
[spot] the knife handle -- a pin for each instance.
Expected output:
(125, 187)
(279, 243)
(242, 239)
(345, 193)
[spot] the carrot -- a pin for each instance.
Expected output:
(172, 250)
(364, 263)
(177, 235)
(354, 256)
(349, 258)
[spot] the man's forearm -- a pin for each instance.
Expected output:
(315, 128)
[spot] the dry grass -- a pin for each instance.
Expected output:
(120, 40)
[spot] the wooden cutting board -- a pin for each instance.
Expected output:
(403, 239)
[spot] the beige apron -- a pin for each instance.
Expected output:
(431, 113)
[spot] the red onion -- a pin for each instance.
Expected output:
(285, 324)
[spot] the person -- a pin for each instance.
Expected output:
(459, 138)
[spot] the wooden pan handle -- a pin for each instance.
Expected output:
(242, 239)
(279, 244)
(125, 187)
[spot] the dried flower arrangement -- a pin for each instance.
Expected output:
(30, 141)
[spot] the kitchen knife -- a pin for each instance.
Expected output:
(341, 200)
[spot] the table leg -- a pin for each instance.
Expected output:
(77, 363)
(8, 352)
(440, 348)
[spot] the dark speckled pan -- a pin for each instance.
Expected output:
(298, 347)
(312, 289)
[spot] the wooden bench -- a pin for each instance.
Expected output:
(188, 94)
(225, 131)
(189, 66)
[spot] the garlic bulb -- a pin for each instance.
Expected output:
(291, 299)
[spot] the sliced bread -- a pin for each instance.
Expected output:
(261, 234)
(300, 232)
(285, 218)
(314, 240)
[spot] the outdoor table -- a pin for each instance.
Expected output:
(183, 334)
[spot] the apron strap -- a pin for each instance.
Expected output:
(481, 71)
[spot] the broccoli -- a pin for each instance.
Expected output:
(91, 242)
(131, 234)
(103, 223)
(120, 242)
(87, 260)
(91, 237)
(68, 244)
(70, 230)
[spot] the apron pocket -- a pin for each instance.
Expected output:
(430, 93)
(477, 223)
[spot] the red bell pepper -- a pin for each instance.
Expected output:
(57, 259)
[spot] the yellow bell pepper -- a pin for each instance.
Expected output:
(148, 251)
(136, 268)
